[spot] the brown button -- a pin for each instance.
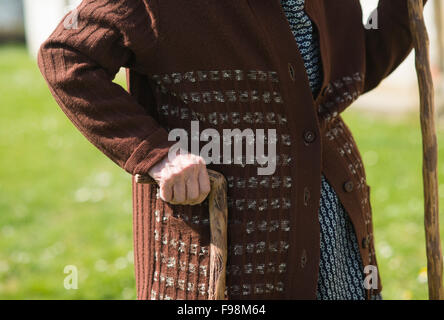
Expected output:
(309, 136)
(366, 242)
(327, 90)
(291, 71)
(306, 196)
(348, 186)
(303, 258)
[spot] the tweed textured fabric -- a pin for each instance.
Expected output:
(340, 267)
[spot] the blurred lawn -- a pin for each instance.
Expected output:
(63, 203)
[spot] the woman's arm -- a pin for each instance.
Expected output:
(79, 66)
(389, 44)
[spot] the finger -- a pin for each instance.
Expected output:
(204, 186)
(200, 199)
(166, 191)
(204, 181)
(179, 191)
(192, 189)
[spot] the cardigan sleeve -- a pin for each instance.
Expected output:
(389, 44)
(79, 63)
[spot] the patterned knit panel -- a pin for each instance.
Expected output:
(260, 208)
(340, 266)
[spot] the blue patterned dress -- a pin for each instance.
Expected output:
(341, 269)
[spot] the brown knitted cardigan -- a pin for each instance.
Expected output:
(228, 64)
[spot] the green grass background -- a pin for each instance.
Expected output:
(64, 203)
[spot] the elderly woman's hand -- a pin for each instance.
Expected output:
(183, 179)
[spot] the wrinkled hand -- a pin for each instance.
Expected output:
(182, 180)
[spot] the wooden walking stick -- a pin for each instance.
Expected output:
(218, 212)
(430, 150)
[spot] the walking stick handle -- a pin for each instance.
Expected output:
(218, 213)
